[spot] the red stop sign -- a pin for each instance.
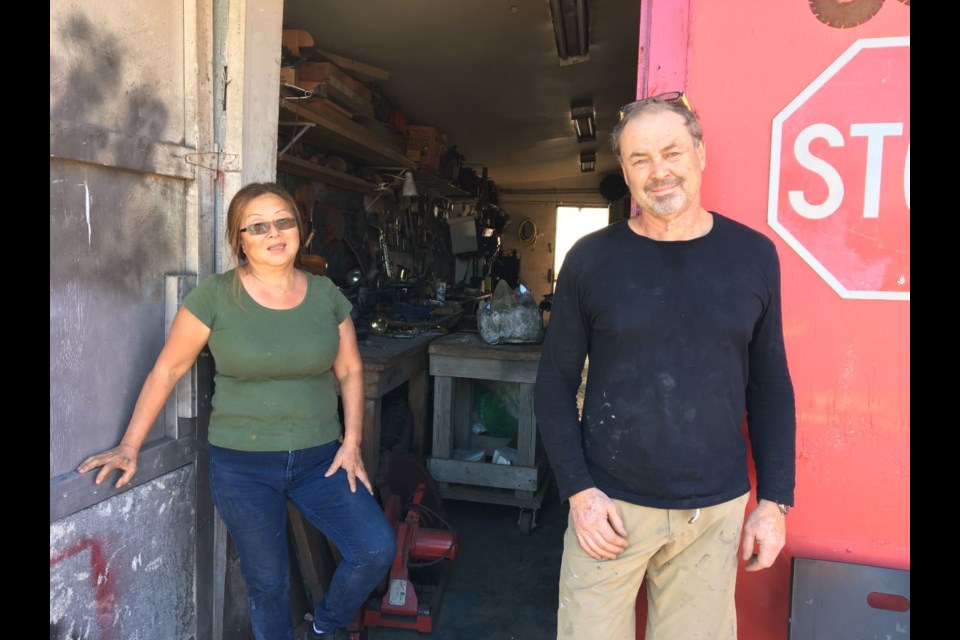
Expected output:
(840, 171)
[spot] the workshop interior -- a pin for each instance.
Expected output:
(437, 256)
(444, 155)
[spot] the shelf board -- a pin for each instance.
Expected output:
(338, 134)
(324, 174)
(438, 186)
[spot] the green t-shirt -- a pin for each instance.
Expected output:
(274, 388)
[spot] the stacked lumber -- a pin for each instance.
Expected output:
(332, 80)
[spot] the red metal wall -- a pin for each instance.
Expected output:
(743, 62)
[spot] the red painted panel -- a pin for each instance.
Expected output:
(744, 62)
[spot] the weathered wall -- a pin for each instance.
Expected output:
(117, 202)
(147, 142)
(124, 567)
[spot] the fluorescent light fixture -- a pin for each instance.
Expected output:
(584, 122)
(409, 186)
(588, 162)
(571, 26)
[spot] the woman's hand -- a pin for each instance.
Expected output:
(349, 459)
(122, 457)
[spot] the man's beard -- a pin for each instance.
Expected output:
(668, 204)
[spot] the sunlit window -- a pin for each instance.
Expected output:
(572, 224)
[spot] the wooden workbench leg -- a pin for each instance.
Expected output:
(527, 427)
(370, 446)
(442, 423)
(417, 396)
(313, 556)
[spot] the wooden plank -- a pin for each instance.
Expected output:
(336, 133)
(327, 72)
(370, 443)
(442, 404)
(471, 345)
(320, 173)
(462, 412)
(319, 104)
(435, 185)
(484, 474)
(483, 368)
(359, 70)
(527, 427)
(417, 397)
(380, 381)
(220, 537)
(308, 558)
(490, 495)
(340, 94)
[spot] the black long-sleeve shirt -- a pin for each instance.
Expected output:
(683, 342)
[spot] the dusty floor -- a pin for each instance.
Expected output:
(502, 584)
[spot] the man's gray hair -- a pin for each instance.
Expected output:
(655, 105)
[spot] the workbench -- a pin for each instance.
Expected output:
(456, 360)
(388, 363)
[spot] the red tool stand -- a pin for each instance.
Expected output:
(419, 572)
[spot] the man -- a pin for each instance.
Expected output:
(677, 314)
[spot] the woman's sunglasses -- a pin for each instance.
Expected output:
(260, 228)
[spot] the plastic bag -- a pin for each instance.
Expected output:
(496, 411)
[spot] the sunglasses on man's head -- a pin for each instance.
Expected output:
(670, 96)
(260, 228)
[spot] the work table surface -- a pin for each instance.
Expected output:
(378, 351)
(471, 345)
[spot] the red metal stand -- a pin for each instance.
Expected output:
(400, 606)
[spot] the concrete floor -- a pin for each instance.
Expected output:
(503, 583)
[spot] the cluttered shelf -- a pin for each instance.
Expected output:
(340, 134)
(316, 171)
(365, 147)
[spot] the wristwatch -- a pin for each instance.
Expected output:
(784, 508)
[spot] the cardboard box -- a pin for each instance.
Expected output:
(430, 143)
(288, 75)
(293, 39)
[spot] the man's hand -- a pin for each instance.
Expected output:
(764, 535)
(597, 524)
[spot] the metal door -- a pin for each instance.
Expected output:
(133, 188)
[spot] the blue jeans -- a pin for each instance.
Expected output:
(250, 491)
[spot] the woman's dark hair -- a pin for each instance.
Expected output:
(239, 204)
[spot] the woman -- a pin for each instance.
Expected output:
(281, 339)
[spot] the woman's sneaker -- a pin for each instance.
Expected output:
(310, 634)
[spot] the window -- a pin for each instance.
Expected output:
(572, 224)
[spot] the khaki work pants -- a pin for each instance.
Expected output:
(690, 570)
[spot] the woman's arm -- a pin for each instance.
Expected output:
(187, 338)
(348, 367)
